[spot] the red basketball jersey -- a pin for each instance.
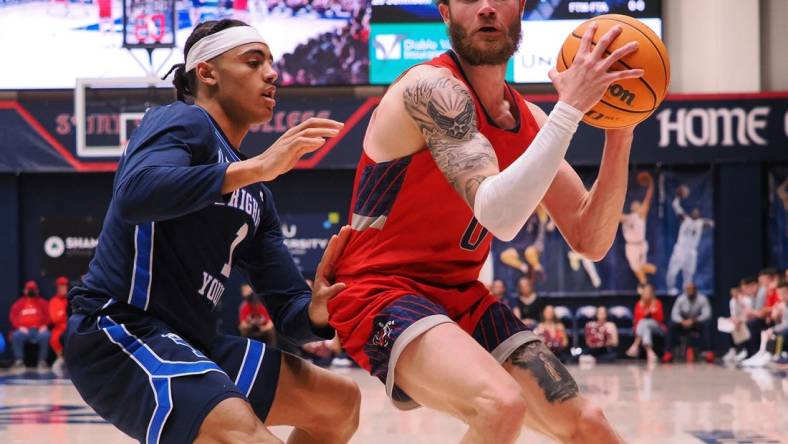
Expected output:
(414, 235)
(409, 221)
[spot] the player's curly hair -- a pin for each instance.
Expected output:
(186, 82)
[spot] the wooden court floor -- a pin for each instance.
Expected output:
(673, 404)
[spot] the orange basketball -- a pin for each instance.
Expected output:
(628, 101)
(644, 178)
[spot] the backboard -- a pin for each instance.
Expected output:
(107, 110)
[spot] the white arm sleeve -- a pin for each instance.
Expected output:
(505, 201)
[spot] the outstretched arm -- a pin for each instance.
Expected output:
(443, 110)
(677, 208)
(269, 267)
(588, 219)
(644, 209)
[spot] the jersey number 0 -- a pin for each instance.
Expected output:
(474, 235)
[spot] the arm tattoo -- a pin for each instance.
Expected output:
(553, 378)
(471, 185)
(444, 112)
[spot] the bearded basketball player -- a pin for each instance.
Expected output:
(453, 156)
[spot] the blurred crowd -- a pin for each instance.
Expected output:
(756, 327)
(331, 58)
(325, 8)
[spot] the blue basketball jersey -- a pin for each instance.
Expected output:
(170, 238)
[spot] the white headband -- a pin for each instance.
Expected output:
(217, 44)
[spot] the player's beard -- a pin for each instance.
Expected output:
(496, 55)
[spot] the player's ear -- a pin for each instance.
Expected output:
(205, 74)
(443, 8)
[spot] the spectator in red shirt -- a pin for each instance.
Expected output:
(553, 333)
(772, 297)
(29, 320)
(601, 337)
(649, 321)
(58, 314)
(253, 319)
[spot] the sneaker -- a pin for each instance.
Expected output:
(730, 356)
(709, 357)
(741, 356)
(18, 365)
(667, 357)
(42, 365)
(750, 358)
(586, 360)
(651, 357)
(760, 359)
(58, 366)
(341, 362)
(690, 356)
(632, 352)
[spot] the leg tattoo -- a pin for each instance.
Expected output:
(554, 379)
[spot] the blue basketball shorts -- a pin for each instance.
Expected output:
(149, 382)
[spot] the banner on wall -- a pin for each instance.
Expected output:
(665, 238)
(778, 216)
(685, 130)
(68, 244)
(306, 236)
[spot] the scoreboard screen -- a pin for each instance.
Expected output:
(314, 42)
(148, 23)
(406, 32)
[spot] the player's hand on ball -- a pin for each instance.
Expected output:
(589, 76)
(325, 288)
(296, 142)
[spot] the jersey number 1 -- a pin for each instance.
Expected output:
(239, 237)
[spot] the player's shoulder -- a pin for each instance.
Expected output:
(539, 114)
(177, 115)
(420, 72)
(426, 77)
(188, 124)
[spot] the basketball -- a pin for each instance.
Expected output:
(683, 191)
(629, 101)
(644, 178)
